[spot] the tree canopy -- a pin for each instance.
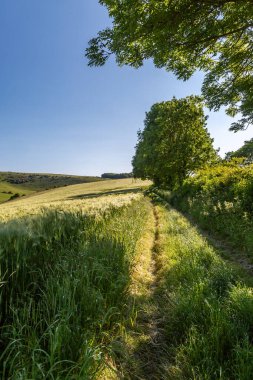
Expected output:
(245, 151)
(116, 175)
(174, 142)
(215, 36)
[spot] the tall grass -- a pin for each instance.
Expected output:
(36, 204)
(220, 198)
(208, 308)
(64, 281)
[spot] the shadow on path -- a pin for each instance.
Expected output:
(233, 255)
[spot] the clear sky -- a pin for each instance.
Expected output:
(58, 115)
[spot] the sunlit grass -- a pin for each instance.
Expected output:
(64, 299)
(208, 310)
(85, 272)
(86, 197)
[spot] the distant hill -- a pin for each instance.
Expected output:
(13, 185)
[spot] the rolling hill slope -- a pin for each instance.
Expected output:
(79, 197)
(19, 184)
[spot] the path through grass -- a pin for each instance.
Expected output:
(131, 291)
(145, 349)
(206, 304)
(194, 310)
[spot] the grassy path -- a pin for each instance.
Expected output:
(236, 257)
(194, 310)
(235, 254)
(133, 293)
(146, 346)
(153, 352)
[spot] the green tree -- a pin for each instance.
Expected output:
(215, 36)
(116, 175)
(245, 151)
(174, 142)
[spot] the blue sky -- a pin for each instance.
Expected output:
(58, 115)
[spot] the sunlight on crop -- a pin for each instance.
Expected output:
(89, 198)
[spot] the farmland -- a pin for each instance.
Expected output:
(21, 184)
(65, 270)
(99, 281)
(89, 196)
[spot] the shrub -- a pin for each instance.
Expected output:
(220, 198)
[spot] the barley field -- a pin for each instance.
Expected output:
(88, 197)
(66, 258)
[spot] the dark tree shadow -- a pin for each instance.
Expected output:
(105, 193)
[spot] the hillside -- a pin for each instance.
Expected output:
(81, 196)
(12, 183)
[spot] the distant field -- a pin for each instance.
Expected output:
(83, 196)
(26, 183)
(7, 190)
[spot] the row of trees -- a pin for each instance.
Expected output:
(116, 175)
(246, 151)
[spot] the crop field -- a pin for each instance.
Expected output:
(89, 196)
(99, 281)
(15, 185)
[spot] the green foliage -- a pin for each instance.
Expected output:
(116, 175)
(246, 151)
(174, 142)
(208, 310)
(63, 294)
(183, 36)
(14, 196)
(221, 199)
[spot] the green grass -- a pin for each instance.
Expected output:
(4, 197)
(64, 295)
(208, 306)
(79, 289)
(7, 190)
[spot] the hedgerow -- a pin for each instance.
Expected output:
(220, 197)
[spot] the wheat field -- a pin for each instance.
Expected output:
(65, 266)
(87, 197)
